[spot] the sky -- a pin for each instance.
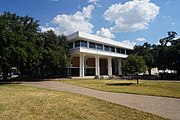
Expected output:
(128, 21)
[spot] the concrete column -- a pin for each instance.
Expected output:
(97, 66)
(115, 67)
(81, 65)
(69, 66)
(85, 65)
(110, 66)
(119, 66)
(87, 44)
(74, 45)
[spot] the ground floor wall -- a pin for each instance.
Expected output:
(82, 65)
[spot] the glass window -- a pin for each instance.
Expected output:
(118, 50)
(99, 46)
(92, 45)
(70, 46)
(83, 43)
(123, 51)
(106, 48)
(112, 49)
(77, 43)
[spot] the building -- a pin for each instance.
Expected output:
(93, 55)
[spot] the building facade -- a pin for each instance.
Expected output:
(93, 55)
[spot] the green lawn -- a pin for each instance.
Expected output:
(19, 102)
(146, 87)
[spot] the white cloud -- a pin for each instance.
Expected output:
(128, 43)
(167, 2)
(166, 17)
(93, 1)
(55, 29)
(44, 29)
(131, 16)
(67, 24)
(173, 23)
(104, 32)
(141, 39)
(54, 0)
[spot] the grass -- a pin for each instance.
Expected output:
(19, 102)
(146, 87)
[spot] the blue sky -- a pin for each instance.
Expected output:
(130, 21)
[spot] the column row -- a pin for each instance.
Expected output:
(97, 66)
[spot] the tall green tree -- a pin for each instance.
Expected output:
(169, 56)
(147, 54)
(165, 40)
(162, 56)
(17, 40)
(23, 46)
(55, 53)
(134, 64)
(173, 58)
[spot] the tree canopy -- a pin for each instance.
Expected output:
(147, 54)
(134, 64)
(165, 40)
(22, 45)
(162, 56)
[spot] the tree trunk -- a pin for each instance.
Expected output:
(5, 73)
(149, 71)
(129, 76)
(178, 73)
(137, 79)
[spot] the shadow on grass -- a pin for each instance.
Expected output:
(120, 84)
(21, 80)
(6, 83)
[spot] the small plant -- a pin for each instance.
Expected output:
(101, 77)
(97, 77)
(111, 77)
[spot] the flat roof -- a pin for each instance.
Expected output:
(97, 39)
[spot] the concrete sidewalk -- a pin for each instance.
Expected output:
(161, 106)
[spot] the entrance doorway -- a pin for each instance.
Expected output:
(103, 66)
(114, 66)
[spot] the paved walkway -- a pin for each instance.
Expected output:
(161, 106)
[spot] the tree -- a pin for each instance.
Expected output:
(55, 54)
(169, 56)
(147, 54)
(134, 64)
(161, 56)
(165, 40)
(23, 46)
(0, 70)
(173, 58)
(12, 42)
(18, 36)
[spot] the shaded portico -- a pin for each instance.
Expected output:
(94, 65)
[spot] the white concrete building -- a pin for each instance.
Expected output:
(93, 55)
